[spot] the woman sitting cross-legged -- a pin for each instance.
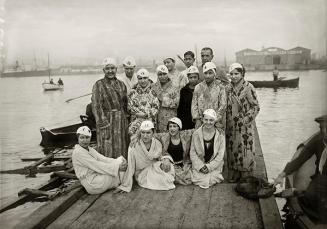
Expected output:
(96, 172)
(176, 143)
(144, 163)
(207, 152)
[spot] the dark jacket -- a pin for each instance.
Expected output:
(184, 108)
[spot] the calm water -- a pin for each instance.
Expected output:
(285, 120)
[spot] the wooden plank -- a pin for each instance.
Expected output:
(47, 213)
(197, 209)
(74, 212)
(269, 210)
(175, 213)
(132, 213)
(107, 210)
(152, 212)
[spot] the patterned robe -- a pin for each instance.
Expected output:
(212, 96)
(142, 100)
(109, 106)
(182, 174)
(145, 166)
(168, 96)
(242, 109)
(214, 165)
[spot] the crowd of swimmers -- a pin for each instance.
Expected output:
(185, 128)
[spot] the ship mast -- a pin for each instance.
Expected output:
(49, 66)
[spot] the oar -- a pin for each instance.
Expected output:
(32, 169)
(68, 100)
(179, 57)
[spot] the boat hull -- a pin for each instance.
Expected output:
(300, 180)
(62, 136)
(25, 73)
(52, 87)
(292, 83)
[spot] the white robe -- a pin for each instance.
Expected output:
(145, 165)
(96, 172)
(215, 164)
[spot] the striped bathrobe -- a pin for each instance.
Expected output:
(109, 106)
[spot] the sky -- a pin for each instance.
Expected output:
(87, 31)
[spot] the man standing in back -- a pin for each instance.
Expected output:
(207, 56)
(129, 78)
(109, 106)
(178, 80)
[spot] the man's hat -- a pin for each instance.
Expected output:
(109, 61)
(209, 66)
(129, 62)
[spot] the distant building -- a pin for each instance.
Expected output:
(268, 58)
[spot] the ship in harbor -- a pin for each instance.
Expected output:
(20, 71)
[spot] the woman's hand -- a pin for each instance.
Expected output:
(280, 179)
(123, 166)
(204, 169)
(165, 165)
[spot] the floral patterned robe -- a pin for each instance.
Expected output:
(142, 100)
(212, 96)
(168, 96)
(242, 109)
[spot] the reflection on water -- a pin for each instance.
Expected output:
(285, 119)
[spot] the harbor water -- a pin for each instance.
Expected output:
(285, 120)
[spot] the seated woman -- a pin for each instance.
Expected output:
(96, 172)
(207, 152)
(176, 143)
(144, 163)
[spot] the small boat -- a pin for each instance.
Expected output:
(293, 83)
(66, 135)
(52, 86)
(300, 180)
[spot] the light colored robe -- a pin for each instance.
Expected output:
(179, 80)
(129, 83)
(96, 172)
(215, 165)
(145, 166)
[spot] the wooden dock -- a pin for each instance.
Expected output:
(183, 207)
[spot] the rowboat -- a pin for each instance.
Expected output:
(66, 135)
(300, 180)
(292, 83)
(52, 86)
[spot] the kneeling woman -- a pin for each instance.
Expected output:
(207, 152)
(96, 172)
(176, 143)
(144, 162)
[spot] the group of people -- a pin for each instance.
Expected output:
(180, 129)
(175, 130)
